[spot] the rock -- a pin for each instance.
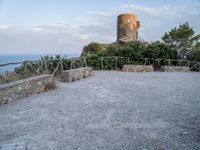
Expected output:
(23, 88)
(137, 68)
(175, 69)
(76, 74)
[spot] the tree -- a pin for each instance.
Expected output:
(182, 39)
(195, 54)
(92, 48)
(133, 50)
(160, 50)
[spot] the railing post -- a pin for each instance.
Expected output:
(46, 67)
(71, 63)
(84, 59)
(145, 61)
(61, 65)
(74, 66)
(116, 63)
(199, 67)
(25, 64)
(169, 62)
(101, 63)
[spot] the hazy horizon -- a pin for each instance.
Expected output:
(65, 27)
(42, 54)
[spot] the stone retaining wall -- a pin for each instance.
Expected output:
(175, 69)
(137, 68)
(23, 88)
(76, 74)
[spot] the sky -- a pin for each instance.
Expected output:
(64, 27)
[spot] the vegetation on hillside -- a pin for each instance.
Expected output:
(179, 43)
(92, 48)
(183, 39)
(135, 51)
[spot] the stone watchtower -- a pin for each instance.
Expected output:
(127, 28)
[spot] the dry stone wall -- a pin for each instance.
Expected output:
(137, 68)
(24, 88)
(175, 69)
(76, 74)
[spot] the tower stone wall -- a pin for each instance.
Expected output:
(127, 28)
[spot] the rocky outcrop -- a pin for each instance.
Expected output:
(23, 88)
(175, 69)
(76, 74)
(137, 68)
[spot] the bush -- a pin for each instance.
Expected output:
(135, 51)
(159, 50)
(194, 55)
(92, 48)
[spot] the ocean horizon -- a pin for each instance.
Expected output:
(8, 58)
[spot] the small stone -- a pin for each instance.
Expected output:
(27, 87)
(19, 88)
(39, 83)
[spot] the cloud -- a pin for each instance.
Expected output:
(164, 12)
(98, 26)
(59, 38)
(101, 26)
(98, 13)
(3, 27)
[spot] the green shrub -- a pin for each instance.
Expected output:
(92, 48)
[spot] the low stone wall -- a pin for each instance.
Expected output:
(137, 68)
(175, 69)
(76, 74)
(23, 88)
(87, 72)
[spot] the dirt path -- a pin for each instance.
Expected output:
(111, 110)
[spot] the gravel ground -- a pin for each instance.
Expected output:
(111, 110)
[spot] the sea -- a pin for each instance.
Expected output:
(17, 58)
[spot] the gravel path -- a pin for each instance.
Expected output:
(111, 110)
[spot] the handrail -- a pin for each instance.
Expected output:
(32, 61)
(148, 61)
(84, 62)
(11, 63)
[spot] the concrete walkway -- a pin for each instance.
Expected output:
(111, 110)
